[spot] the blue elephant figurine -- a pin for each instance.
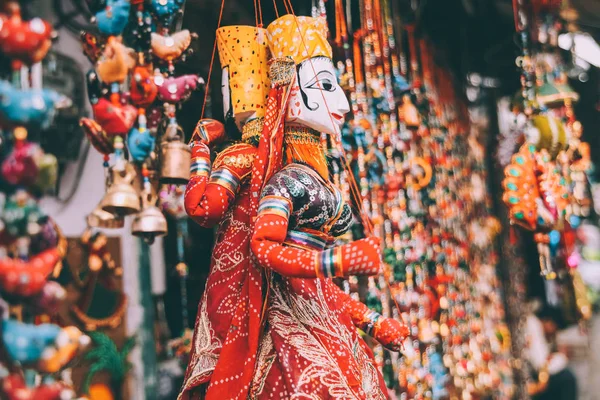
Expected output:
(113, 19)
(32, 108)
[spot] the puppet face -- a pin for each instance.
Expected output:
(317, 100)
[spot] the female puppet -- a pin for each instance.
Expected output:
(219, 193)
(310, 348)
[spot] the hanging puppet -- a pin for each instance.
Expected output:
(310, 346)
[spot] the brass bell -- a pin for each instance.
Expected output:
(150, 222)
(99, 218)
(175, 157)
(121, 198)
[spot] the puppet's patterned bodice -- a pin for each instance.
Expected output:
(316, 205)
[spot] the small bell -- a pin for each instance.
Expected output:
(99, 218)
(121, 198)
(175, 157)
(150, 222)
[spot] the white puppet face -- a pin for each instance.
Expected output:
(317, 100)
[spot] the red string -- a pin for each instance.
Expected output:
(212, 61)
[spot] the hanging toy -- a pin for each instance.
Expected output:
(96, 135)
(114, 17)
(143, 90)
(536, 196)
(116, 119)
(47, 347)
(166, 10)
(24, 41)
(139, 141)
(27, 278)
(176, 89)
(169, 48)
(92, 46)
(31, 108)
(115, 62)
(20, 167)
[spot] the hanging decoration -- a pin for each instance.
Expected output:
(547, 185)
(135, 95)
(420, 168)
(34, 349)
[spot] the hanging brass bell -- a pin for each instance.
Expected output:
(99, 218)
(175, 157)
(121, 199)
(150, 222)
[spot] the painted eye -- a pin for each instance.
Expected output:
(323, 84)
(327, 86)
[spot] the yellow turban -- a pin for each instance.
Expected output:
(299, 37)
(243, 49)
